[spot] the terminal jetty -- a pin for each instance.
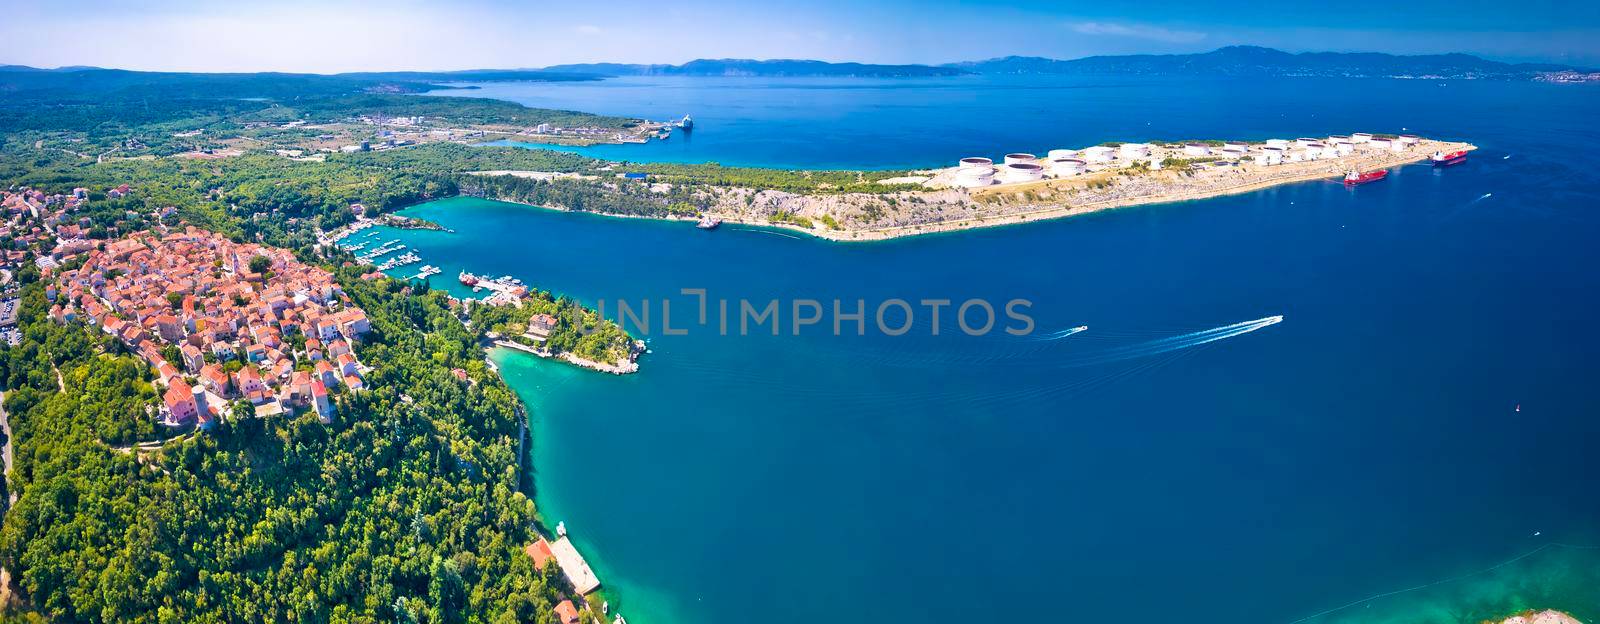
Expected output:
(979, 191)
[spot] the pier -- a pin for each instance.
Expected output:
(572, 564)
(426, 272)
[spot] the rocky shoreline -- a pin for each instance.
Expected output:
(865, 217)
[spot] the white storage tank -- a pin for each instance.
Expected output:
(1345, 148)
(1270, 155)
(1234, 151)
(1361, 137)
(1410, 139)
(1330, 151)
(1236, 145)
(977, 162)
(1397, 145)
(1196, 149)
(1020, 157)
(971, 177)
(1021, 172)
(1098, 154)
(1314, 150)
(1379, 142)
(1066, 167)
(1305, 142)
(1279, 143)
(1134, 150)
(1061, 153)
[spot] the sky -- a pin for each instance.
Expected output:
(366, 35)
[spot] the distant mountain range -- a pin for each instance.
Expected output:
(748, 67)
(1229, 61)
(1257, 61)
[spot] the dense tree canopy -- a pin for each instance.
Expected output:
(409, 507)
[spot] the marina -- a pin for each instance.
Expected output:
(399, 261)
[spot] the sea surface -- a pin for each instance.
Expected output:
(1414, 442)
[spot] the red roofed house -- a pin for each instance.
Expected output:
(347, 364)
(539, 326)
(325, 372)
(180, 402)
(192, 358)
(566, 613)
(248, 380)
(214, 379)
(540, 552)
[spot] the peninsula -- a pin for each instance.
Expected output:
(975, 193)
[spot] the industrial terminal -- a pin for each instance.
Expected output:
(1021, 167)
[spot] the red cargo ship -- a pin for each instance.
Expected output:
(1441, 159)
(1353, 178)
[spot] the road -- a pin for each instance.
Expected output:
(5, 427)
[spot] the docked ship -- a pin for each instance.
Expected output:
(708, 222)
(1441, 159)
(468, 278)
(686, 123)
(1354, 177)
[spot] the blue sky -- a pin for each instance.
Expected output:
(332, 36)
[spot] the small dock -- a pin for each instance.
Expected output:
(573, 565)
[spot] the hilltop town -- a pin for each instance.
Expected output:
(245, 321)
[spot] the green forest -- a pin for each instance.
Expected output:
(410, 507)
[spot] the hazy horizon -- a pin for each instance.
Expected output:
(409, 35)
(4, 63)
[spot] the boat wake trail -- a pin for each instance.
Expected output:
(1452, 579)
(1174, 343)
(759, 231)
(1057, 335)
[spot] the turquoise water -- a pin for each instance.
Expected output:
(1368, 444)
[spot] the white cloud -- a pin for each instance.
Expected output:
(1136, 31)
(587, 29)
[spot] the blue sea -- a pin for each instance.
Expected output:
(1414, 442)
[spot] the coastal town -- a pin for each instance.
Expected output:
(223, 325)
(247, 322)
